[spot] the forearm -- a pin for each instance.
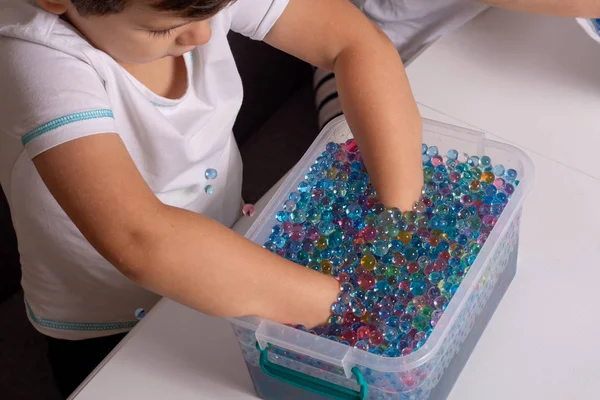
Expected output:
(564, 8)
(202, 264)
(380, 109)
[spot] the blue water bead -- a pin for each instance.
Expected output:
(353, 210)
(391, 352)
(399, 308)
(282, 216)
(279, 242)
(335, 240)
(298, 216)
(473, 161)
(210, 173)
(452, 154)
(327, 184)
(396, 246)
(498, 170)
(289, 205)
(497, 209)
(425, 158)
(393, 321)
(388, 258)
(390, 333)
(381, 247)
(490, 190)
(270, 246)
(381, 289)
(510, 174)
(371, 298)
(338, 308)
(418, 287)
(357, 307)
(356, 166)
(325, 227)
(304, 187)
(432, 151)
(500, 198)
(435, 277)
(295, 246)
(485, 161)
(423, 148)
(327, 215)
(405, 326)
(332, 148)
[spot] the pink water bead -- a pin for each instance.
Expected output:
(351, 146)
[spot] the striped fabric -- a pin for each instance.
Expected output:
(326, 96)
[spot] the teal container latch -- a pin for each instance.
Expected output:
(310, 383)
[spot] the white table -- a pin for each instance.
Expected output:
(531, 81)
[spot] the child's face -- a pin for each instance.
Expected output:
(140, 34)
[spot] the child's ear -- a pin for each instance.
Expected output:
(57, 7)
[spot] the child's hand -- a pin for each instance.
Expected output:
(373, 89)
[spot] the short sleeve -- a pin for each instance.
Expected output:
(591, 26)
(49, 97)
(255, 18)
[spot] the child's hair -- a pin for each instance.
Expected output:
(182, 8)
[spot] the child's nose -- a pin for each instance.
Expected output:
(197, 33)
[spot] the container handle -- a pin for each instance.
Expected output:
(310, 383)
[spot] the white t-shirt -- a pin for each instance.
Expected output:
(56, 87)
(412, 25)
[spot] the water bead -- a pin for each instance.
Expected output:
(488, 177)
(380, 247)
(485, 161)
(366, 281)
(498, 170)
(432, 151)
(368, 261)
(211, 173)
(510, 175)
(437, 161)
(509, 189)
(473, 161)
(418, 287)
(439, 302)
(405, 237)
(353, 211)
(452, 154)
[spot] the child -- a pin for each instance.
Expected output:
(412, 25)
(119, 164)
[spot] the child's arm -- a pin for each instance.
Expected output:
(176, 253)
(373, 89)
(561, 8)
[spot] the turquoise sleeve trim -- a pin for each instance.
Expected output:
(163, 105)
(66, 120)
(79, 326)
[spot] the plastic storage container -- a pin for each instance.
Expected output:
(286, 363)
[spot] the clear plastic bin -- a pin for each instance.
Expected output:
(286, 363)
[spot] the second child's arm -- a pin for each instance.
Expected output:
(372, 85)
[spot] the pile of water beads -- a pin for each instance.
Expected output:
(397, 271)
